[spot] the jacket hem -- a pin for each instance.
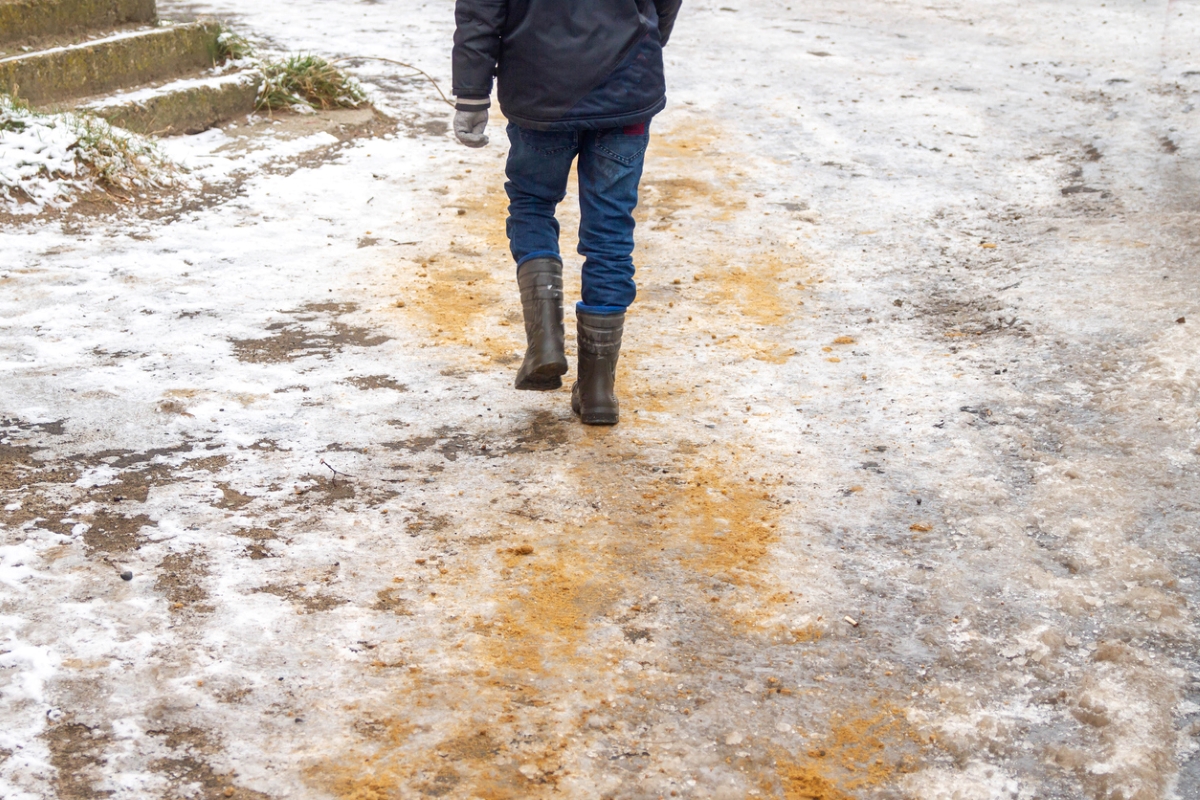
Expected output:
(588, 123)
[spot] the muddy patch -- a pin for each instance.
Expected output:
(109, 519)
(133, 486)
(43, 504)
(314, 331)
(189, 769)
(446, 442)
(207, 464)
(545, 430)
(231, 498)
(257, 551)
(77, 754)
(259, 546)
(327, 491)
(114, 533)
(449, 443)
(44, 492)
(180, 580)
(390, 600)
(19, 468)
(367, 382)
(959, 316)
(306, 601)
(10, 426)
(425, 521)
(542, 431)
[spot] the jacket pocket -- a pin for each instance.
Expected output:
(549, 143)
(622, 147)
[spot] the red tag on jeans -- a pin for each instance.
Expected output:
(635, 130)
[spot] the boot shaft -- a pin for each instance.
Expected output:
(599, 334)
(594, 396)
(541, 284)
(540, 281)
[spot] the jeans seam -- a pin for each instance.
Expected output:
(626, 160)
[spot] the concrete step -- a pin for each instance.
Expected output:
(57, 41)
(189, 105)
(104, 65)
(30, 20)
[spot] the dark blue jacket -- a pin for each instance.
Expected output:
(563, 63)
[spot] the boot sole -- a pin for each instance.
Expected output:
(543, 379)
(594, 417)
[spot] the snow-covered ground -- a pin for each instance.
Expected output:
(48, 160)
(903, 503)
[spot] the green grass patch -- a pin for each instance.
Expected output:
(232, 46)
(309, 80)
(302, 79)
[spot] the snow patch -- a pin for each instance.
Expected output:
(37, 157)
(47, 160)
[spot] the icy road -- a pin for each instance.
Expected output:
(903, 503)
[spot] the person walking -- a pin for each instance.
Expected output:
(577, 80)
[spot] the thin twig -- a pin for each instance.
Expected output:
(445, 99)
(335, 472)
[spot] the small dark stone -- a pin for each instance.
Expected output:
(126, 575)
(1181, 320)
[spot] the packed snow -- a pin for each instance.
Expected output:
(902, 503)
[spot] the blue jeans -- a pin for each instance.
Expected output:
(610, 167)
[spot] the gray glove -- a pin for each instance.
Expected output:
(469, 127)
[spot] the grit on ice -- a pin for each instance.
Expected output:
(903, 502)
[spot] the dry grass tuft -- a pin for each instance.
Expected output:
(307, 80)
(50, 158)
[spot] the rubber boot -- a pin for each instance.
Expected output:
(545, 362)
(594, 397)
